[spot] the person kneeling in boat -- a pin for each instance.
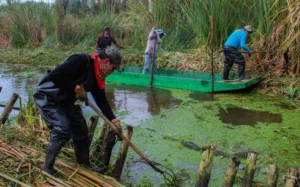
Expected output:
(236, 39)
(154, 40)
(57, 92)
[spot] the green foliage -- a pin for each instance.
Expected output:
(28, 113)
(187, 23)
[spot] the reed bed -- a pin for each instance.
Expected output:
(22, 155)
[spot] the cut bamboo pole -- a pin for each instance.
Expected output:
(204, 171)
(111, 183)
(272, 176)
(291, 177)
(231, 172)
(122, 153)
(55, 179)
(250, 169)
(8, 108)
(14, 180)
(92, 124)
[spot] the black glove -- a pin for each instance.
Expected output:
(121, 47)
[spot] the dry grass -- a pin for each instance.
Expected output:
(21, 161)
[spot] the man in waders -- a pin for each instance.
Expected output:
(236, 40)
(104, 39)
(55, 98)
(154, 40)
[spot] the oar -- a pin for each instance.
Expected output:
(124, 138)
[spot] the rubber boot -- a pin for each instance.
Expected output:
(82, 151)
(52, 151)
(226, 73)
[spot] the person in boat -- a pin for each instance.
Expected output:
(154, 41)
(59, 89)
(105, 39)
(236, 40)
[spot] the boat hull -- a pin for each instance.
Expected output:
(185, 80)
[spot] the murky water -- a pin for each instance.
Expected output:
(164, 122)
(241, 116)
(130, 103)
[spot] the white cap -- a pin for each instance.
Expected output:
(248, 28)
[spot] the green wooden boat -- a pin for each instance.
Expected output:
(185, 80)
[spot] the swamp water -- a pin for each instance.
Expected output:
(164, 119)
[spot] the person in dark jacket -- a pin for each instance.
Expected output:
(104, 39)
(57, 92)
(236, 40)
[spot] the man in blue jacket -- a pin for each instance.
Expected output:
(236, 40)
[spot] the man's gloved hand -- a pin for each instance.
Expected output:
(121, 47)
(80, 93)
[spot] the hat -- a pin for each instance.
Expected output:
(106, 28)
(115, 57)
(248, 28)
(160, 32)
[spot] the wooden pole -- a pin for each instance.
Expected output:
(250, 169)
(291, 177)
(212, 56)
(272, 176)
(99, 140)
(8, 108)
(92, 124)
(231, 172)
(122, 153)
(204, 171)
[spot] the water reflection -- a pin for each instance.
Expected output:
(241, 116)
(130, 103)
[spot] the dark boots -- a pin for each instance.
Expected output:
(226, 73)
(53, 149)
(82, 151)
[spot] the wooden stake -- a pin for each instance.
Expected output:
(100, 137)
(8, 108)
(291, 177)
(122, 153)
(204, 171)
(272, 176)
(92, 124)
(231, 172)
(250, 169)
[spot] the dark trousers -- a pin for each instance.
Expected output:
(233, 55)
(64, 119)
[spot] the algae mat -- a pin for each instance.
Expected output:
(198, 121)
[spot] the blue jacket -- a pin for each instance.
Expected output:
(238, 39)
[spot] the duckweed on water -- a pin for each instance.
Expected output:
(199, 122)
